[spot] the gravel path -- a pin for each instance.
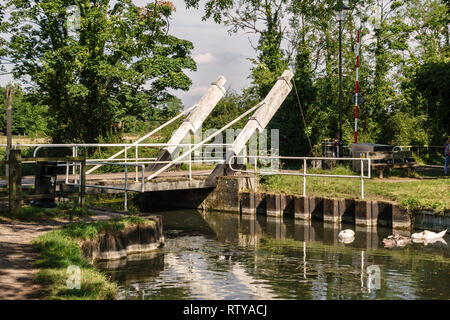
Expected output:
(17, 257)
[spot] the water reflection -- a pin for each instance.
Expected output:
(214, 255)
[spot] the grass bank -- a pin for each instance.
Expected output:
(420, 193)
(63, 211)
(59, 249)
(114, 201)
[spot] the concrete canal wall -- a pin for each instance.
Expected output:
(431, 221)
(231, 195)
(359, 212)
(112, 245)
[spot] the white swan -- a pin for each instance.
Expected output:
(427, 242)
(346, 236)
(428, 235)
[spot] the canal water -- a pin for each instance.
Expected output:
(215, 255)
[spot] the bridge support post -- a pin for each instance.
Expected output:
(192, 123)
(258, 122)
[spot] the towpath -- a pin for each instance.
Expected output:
(17, 274)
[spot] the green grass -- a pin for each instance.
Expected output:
(421, 194)
(89, 230)
(198, 166)
(430, 157)
(63, 211)
(60, 249)
(113, 201)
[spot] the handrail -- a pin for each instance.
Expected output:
(125, 188)
(304, 174)
(147, 135)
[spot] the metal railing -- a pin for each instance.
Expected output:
(304, 174)
(126, 146)
(139, 163)
(14, 180)
(124, 188)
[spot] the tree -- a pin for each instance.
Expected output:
(432, 82)
(28, 118)
(227, 109)
(403, 42)
(121, 61)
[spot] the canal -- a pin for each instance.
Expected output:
(216, 255)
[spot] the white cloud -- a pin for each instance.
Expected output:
(198, 91)
(204, 58)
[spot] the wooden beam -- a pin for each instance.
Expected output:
(8, 124)
(15, 181)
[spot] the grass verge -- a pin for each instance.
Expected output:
(63, 211)
(59, 249)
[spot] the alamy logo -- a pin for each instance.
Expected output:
(373, 277)
(255, 149)
(74, 279)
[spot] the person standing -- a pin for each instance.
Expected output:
(447, 155)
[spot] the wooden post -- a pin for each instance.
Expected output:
(8, 125)
(83, 182)
(15, 181)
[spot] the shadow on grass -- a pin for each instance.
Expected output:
(57, 252)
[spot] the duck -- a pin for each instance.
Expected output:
(428, 235)
(401, 241)
(346, 236)
(389, 242)
(396, 240)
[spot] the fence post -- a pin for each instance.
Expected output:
(304, 177)
(143, 178)
(256, 174)
(362, 178)
(137, 169)
(8, 125)
(83, 182)
(190, 162)
(74, 167)
(125, 202)
(15, 181)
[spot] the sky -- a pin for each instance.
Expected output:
(215, 51)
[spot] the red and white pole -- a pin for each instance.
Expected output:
(357, 84)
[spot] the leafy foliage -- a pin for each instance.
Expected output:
(113, 75)
(28, 117)
(403, 67)
(120, 62)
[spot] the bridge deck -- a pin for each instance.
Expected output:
(171, 180)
